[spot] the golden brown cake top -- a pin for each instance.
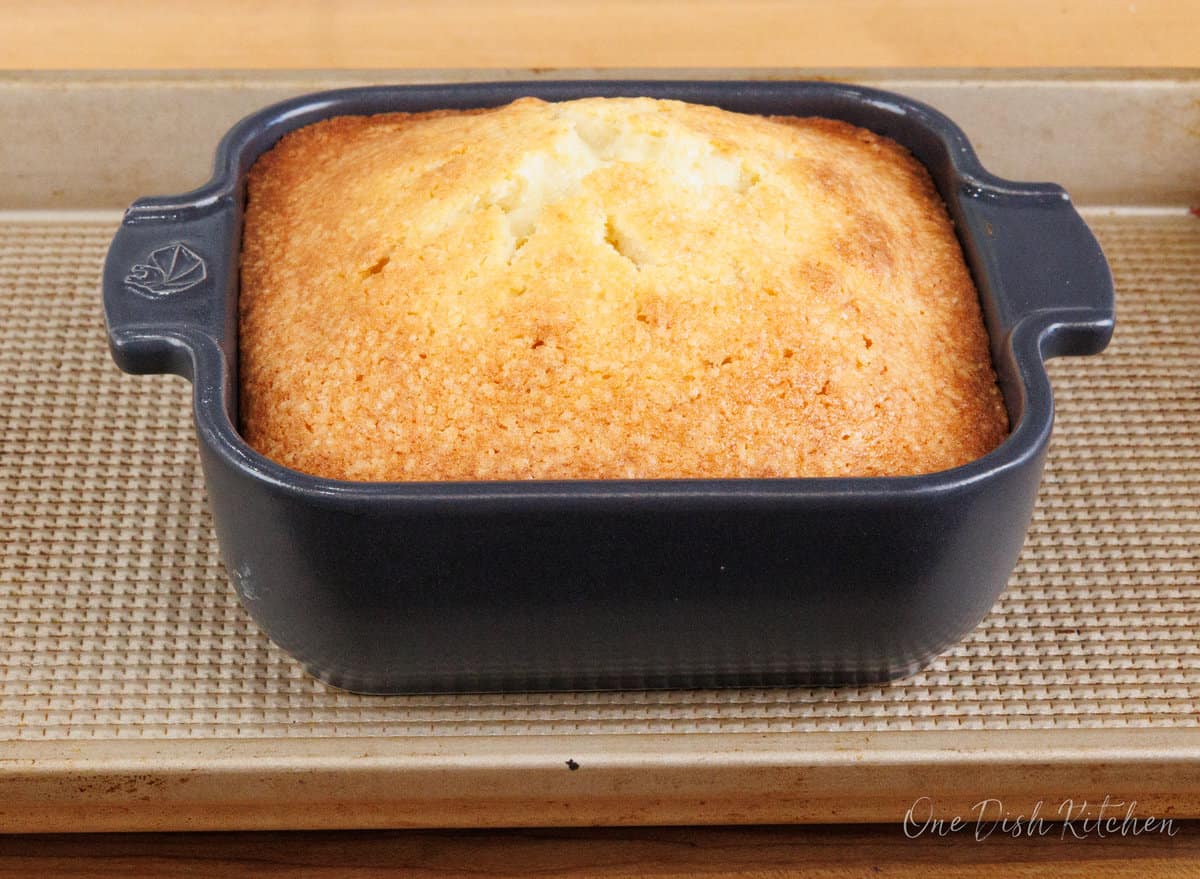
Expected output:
(606, 288)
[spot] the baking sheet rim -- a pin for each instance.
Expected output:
(615, 779)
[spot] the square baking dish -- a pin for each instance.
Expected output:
(467, 586)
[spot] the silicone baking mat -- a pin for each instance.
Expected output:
(117, 622)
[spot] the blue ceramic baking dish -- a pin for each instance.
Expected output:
(469, 586)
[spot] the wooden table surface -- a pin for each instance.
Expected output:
(76, 34)
(845, 851)
(617, 33)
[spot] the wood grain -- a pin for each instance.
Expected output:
(874, 850)
(520, 33)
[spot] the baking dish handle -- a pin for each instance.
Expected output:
(166, 282)
(1042, 264)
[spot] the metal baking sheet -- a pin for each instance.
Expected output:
(136, 694)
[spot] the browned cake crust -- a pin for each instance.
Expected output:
(606, 288)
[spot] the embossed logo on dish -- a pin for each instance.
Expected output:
(169, 269)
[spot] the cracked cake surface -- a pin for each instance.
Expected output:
(606, 288)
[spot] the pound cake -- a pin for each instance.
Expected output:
(606, 288)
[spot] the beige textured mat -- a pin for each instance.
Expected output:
(116, 620)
